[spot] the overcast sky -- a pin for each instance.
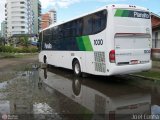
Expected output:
(67, 9)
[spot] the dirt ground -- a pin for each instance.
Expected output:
(11, 63)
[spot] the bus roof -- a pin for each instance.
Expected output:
(111, 6)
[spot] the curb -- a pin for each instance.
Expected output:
(147, 78)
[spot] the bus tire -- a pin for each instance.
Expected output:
(77, 68)
(45, 61)
(76, 86)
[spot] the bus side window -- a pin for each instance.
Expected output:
(73, 28)
(54, 37)
(104, 19)
(45, 36)
(66, 30)
(60, 32)
(79, 27)
(44, 39)
(99, 21)
(49, 32)
(87, 25)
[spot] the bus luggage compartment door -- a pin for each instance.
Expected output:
(132, 49)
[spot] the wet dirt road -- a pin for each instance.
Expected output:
(14, 63)
(55, 94)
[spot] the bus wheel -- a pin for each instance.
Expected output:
(77, 68)
(45, 59)
(45, 62)
(76, 86)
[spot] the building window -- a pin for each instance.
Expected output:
(21, 2)
(156, 39)
(22, 17)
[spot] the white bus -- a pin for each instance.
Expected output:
(115, 39)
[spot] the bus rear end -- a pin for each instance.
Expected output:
(132, 40)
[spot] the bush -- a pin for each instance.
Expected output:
(33, 49)
(25, 50)
(10, 49)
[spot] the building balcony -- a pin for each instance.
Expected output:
(19, 24)
(19, 30)
(18, 6)
(19, 19)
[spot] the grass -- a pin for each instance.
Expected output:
(15, 55)
(150, 74)
(154, 73)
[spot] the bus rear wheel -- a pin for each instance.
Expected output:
(77, 68)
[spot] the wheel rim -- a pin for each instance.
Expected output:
(77, 69)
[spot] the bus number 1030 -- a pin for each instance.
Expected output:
(98, 42)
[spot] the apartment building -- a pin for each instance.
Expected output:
(19, 17)
(48, 18)
(22, 17)
(3, 29)
(36, 8)
(45, 21)
(53, 16)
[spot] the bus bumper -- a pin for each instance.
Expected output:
(127, 69)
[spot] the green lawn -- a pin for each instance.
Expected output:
(150, 74)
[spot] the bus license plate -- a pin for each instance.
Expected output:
(134, 61)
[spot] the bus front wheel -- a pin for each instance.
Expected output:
(77, 68)
(45, 59)
(45, 62)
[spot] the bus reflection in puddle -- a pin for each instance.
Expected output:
(113, 103)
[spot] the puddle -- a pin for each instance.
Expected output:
(56, 94)
(3, 85)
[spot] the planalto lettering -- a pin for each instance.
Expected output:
(141, 15)
(48, 46)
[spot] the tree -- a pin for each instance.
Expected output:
(2, 41)
(24, 41)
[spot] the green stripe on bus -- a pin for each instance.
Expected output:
(125, 13)
(122, 13)
(119, 12)
(80, 43)
(84, 43)
(87, 43)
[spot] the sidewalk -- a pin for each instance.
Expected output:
(156, 65)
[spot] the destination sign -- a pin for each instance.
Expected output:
(132, 13)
